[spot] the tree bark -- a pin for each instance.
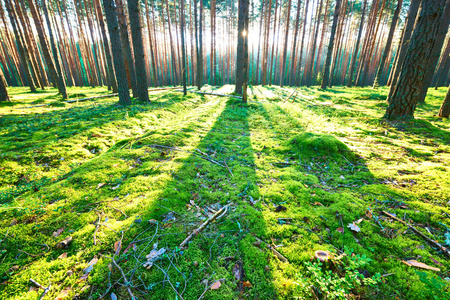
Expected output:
(388, 44)
(138, 48)
(435, 52)
(326, 72)
(3, 90)
(286, 34)
(183, 49)
(242, 48)
(24, 55)
(116, 48)
(444, 112)
(358, 41)
(405, 97)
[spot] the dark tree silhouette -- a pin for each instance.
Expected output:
(116, 48)
(326, 72)
(406, 93)
(242, 47)
(138, 48)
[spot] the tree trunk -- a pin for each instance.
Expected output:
(138, 48)
(116, 48)
(404, 42)
(388, 43)
(294, 46)
(309, 70)
(183, 49)
(404, 98)
(24, 55)
(60, 75)
(242, 48)
(111, 77)
(299, 65)
(3, 90)
(435, 52)
(326, 72)
(358, 40)
(444, 112)
(286, 34)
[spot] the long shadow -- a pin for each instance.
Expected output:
(31, 140)
(230, 180)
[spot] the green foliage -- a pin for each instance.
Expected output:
(338, 283)
(435, 288)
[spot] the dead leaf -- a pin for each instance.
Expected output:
(236, 272)
(128, 248)
(216, 285)
(354, 227)
(113, 296)
(117, 247)
(64, 255)
(358, 221)
(340, 229)
(58, 232)
(89, 268)
(317, 204)
(247, 284)
(369, 214)
(100, 185)
(115, 187)
(415, 263)
(63, 294)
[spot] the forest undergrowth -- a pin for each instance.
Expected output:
(90, 192)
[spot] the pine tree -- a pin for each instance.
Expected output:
(138, 49)
(405, 96)
(326, 72)
(116, 49)
(242, 48)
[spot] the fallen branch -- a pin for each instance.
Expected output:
(290, 95)
(46, 289)
(96, 228)
(212, 94)
(279, 255)
(434, 243)
(127, 283)
(32, 255)
(196, 231)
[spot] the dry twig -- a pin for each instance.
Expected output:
(434, 243)
(211, 219)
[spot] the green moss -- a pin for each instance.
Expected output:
(96, 167)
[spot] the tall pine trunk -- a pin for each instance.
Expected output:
(326, 72)
(3, 87)
(116, 49)
(60, 76)
(242, 48)
(405, 97)
(444, 112)
(435, 52)
(388, 44)
(358, 40)
(138, 48)
(183, 48)
(404, 42)
(286, 35)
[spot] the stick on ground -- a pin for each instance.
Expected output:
(196, 231)
(434, 243)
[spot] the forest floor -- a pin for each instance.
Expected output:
(116, 184)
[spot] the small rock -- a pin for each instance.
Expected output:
(195, 264)
(267, 268)
(222, 235)
(257, 243)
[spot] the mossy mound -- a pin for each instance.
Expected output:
(309, 143)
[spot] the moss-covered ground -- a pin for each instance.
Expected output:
(123, 181)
